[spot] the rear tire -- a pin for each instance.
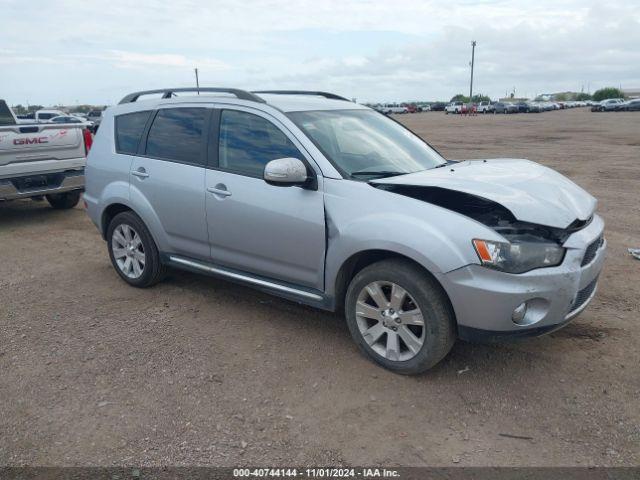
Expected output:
(412, 301)
(130, 245)
(64, 201)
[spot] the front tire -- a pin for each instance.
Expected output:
(399, 316)
(133, 252)
(64, 201)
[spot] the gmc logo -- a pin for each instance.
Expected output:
(30, 141)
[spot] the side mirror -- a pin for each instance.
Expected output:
(285, 172)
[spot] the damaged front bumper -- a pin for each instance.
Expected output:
(484, 300)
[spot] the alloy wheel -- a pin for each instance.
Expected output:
(390, 321)
(128, 251)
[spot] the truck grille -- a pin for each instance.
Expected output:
(591, 251)
(583, 295)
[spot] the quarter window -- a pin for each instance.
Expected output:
(129, 128)
(176, 134)
(248, 142)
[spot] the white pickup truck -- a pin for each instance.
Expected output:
(390, 108)
(40, 116)
(484, 107)
(42, 160)
(455, 107)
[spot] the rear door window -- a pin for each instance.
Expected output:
(129, 128)
(177, 135)
(248, 142)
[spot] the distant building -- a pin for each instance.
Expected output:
(550, 97)
(631, 92)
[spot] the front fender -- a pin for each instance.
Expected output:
(361, 217)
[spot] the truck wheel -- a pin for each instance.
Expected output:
(133, 252)
(64, 201)
(399, 316)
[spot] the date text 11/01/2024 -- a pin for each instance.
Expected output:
(316, 472)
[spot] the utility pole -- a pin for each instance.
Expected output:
(197, 81)
(473, 51)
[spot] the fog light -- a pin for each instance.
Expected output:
(518, 314)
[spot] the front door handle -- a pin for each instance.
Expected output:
(219, 191)
(140, 173)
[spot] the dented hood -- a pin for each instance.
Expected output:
(533, 193)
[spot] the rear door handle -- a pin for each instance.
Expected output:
(219, 191)
(141, 173)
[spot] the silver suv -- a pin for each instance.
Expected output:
(325, 202)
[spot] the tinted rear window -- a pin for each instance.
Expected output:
(46, 116)
(129, 129)
(176, 134)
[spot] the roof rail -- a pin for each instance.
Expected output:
(332, 96)
(168, 93)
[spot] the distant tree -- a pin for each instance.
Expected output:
(480, 98)
(34, 108)
(609, 92)
(460, 98)
(19, 109)
(561, 97)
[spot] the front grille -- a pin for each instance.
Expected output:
(583, 295)
(591, 251)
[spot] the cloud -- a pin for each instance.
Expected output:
(124, 59)
(370, 49)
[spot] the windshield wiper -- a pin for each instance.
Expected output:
(380, 173)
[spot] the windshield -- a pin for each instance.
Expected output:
(364, 144)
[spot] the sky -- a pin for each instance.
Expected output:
(91, 51)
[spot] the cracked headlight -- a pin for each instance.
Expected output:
(518, 257)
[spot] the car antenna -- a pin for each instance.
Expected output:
(197, 81)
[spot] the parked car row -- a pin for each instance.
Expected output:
(609, 105)
(389, 108)
(510, 107)
(91, 119)
(617, 105)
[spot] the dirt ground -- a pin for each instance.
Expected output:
(200, 371)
